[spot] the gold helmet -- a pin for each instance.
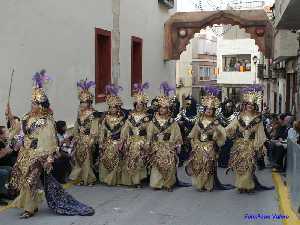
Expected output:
(252, 94)
(112, 98)
(40, 79)
(165, 100)
(84, 93)
(139, 95)
(211, 100)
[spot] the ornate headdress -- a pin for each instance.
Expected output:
(84, 93)
(252, 94)
(211, 100)
(166, 100)
(112, 98)
(40, 79)
(139, 95)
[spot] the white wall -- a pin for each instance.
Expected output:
(59, 36)
(145, 19)
(182, 73)
(232, 47)
(51, 34)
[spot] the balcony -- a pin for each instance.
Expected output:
(287, 14)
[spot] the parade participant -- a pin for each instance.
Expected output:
(153, 107)
(110, 141)
(164, 140)
(86, 132)
(249, 137)
(186, 119)
(31, 173)
(134, 136)
(206, 136)
(226, 114)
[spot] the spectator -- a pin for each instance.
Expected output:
(293, 133)
(278, 146)
(8, 157)
(5, 162)
(62, 163)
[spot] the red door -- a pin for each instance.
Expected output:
(102, 62)
(136, 61)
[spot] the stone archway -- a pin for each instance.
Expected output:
(181, 27)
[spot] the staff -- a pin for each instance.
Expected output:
(8, 111)
(11, 80)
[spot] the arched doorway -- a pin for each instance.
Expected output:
(181, 27)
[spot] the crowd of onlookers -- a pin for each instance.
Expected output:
(279, 128)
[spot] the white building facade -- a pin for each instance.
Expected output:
(236, 66)
(61, 37)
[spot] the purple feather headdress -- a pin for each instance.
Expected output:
(253, 88)
(211, 90)
(40, 78)
(139, 88)
(85, 84)
(166, 88)
(113, 89)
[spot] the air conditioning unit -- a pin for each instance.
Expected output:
(168, 3)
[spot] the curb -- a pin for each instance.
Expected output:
(285, 205)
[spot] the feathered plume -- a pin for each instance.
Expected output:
(211, 90)
(113, 89)
(85, 84)
(253, 88)
(166, 88)
(40, 78)
(139, 88)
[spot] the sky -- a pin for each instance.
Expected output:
(188, 5)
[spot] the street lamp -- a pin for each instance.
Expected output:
(255, 60)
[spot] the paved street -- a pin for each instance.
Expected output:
(185, 206)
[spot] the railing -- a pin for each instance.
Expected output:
(293, 173)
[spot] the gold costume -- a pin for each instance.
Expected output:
(40, 144)
(111, 145)
(134, 136)
(206, 136)
(248, 131)
(164, 136)
(86, 131)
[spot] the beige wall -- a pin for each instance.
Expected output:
(286, 44)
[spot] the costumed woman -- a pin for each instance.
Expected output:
(186, 119)
(164, 140)
(86, 133)
(31, 174)
(226, 114)
(110, 141)
(249, 138)
(134, 134)
(206, 137)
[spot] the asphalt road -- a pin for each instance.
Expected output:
(184, 206)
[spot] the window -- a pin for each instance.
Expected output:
(205, 72)
(136, 61)
(236, 63)
(102, 62)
